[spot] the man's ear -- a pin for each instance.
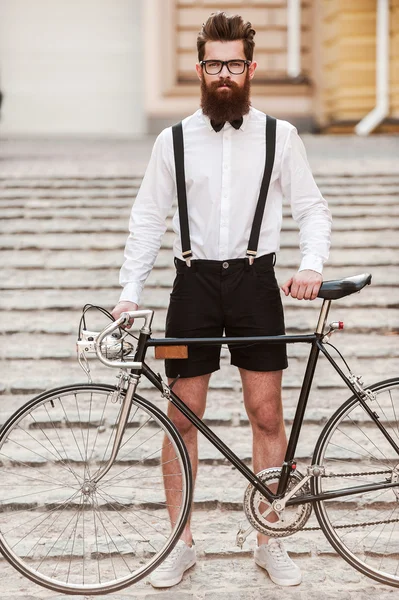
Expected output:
(252, 69)
(198, 68)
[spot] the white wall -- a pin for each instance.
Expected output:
(71, 67)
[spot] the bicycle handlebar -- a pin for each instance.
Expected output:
(123, 320)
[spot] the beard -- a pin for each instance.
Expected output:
(227, 104)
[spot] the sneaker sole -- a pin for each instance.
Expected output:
(171, 582)
(276, 580)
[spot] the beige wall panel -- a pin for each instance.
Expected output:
(222, 3)
(394, 71)
(357, 24)
(194, 17)
(71, 68)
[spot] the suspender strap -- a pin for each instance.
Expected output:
(260, 207)
(178, 148)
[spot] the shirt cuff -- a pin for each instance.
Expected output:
(131, 292)
(312, 262)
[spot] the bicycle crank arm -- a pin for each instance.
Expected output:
(279, 505)
(244, 533)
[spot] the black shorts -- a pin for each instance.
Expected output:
(233, 298)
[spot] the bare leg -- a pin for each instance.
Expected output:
(193, 391)
(262, 397)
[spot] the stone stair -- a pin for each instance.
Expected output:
(61, 247)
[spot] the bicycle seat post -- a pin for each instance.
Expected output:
(325, 307)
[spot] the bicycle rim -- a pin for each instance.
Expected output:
(57, 526)
(363, 528)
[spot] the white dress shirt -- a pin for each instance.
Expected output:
(224, 172)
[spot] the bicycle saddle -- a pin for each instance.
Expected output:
(338, 288)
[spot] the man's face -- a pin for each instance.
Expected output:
(225, 51)
(225, 96)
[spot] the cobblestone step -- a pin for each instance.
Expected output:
(160, 278)
(225, 407)
(234, 577)
(119, 211)
(58, 225)
(22, 346)
(369, 188)
(349, 261)
(125, 202)
(303, 320)
(109, 241)
(155, 298)
(32, 375)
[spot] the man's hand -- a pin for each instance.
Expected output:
(122, 307)
(304, 285)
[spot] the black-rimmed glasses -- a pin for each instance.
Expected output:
(235, 67)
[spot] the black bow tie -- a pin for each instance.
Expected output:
(219, 126)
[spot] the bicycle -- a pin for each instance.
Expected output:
(94, 468)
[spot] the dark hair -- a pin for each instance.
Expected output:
(221, 27)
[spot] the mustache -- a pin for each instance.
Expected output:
(223, 82)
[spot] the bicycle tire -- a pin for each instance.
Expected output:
(362, 528)
(72, 538)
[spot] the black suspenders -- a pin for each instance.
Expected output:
(178, 147)
(264, 188)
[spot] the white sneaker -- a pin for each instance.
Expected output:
(274, 558)
(171, 570)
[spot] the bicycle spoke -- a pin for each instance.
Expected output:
(63, 528)
(363, 527)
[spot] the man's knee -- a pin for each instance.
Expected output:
(269, 424)
(192, 391)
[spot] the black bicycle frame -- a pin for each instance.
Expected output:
(317, 346)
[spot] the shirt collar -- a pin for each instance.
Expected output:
(242, 128)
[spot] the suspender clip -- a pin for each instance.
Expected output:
(187, 255)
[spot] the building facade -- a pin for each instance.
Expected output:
(126, 67)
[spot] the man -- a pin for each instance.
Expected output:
(227, 283)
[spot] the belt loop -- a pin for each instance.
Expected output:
(247, 264)
(274, 258)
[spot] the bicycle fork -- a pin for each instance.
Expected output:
(123, 418)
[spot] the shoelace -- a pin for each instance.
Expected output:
(170, 560)
(278, 552)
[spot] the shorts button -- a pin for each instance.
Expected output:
(225, 265)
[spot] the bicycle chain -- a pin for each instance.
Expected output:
(356, 524)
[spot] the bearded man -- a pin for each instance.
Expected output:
(222, 163)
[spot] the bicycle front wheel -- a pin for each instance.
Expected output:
(363, 528)
(66, 532)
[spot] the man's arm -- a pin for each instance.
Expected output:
(310, 210)
(147, 224)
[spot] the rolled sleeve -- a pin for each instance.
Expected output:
(309, 208)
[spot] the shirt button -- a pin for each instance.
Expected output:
(225, 265)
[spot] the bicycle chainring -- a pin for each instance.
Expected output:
(290, 520)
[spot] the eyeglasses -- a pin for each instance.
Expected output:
(235, 67)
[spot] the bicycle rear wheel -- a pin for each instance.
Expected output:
(62, 530)
(363, 528)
